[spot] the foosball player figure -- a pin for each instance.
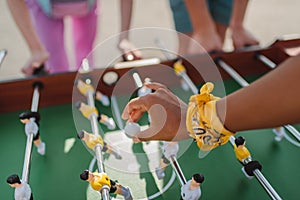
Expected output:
(109, 122)
(22, 189)
(279, 132)
(84, 88)
(144, 90)
(92, 140)
(102, 98)
(87, 111)
(31, 121)
(244, 157)
(191, 190)
(168, 149)
(98, 180)
(179, 70)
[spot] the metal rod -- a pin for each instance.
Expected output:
(260, 177)
(27, 158)
(178, 171)
(267, 186)
(183, 74)
(35, 99)
(266, 60)
(116, 109)
(94, 124)
(98, 147)
(238, 78)
(105, 193)
(28, 149)
(188, 81)
(93, 119)
(293, 131)
(273, 65)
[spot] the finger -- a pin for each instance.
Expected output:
(134, 105)
(135, 115)
(136, 139)
(155, 86)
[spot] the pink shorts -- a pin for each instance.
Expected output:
(78, 9)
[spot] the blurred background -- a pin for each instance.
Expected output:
(266, 20)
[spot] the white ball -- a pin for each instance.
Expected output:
(131, 129)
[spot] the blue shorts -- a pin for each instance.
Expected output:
(220, 11)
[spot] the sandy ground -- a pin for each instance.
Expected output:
(266, 19)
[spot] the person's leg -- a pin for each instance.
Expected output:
(221, 13)
(51, 33)
(204, 28)
(221, 29)
(182, 24)
(84, 32)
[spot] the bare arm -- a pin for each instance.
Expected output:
(21, 16)
(126, 12)
(271, 101)
(199, 15)
(238, 12)
(240, 36)
(39, 54)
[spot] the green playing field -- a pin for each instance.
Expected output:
(56, 175)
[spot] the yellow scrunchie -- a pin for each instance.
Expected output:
(203, 122)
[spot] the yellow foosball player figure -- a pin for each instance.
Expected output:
(87, 111)
(241, 151)
(91, 140)
(31, 121)
(84, 88)
(98, 180)
(244, 157)
(22, 189)
(191, 190)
